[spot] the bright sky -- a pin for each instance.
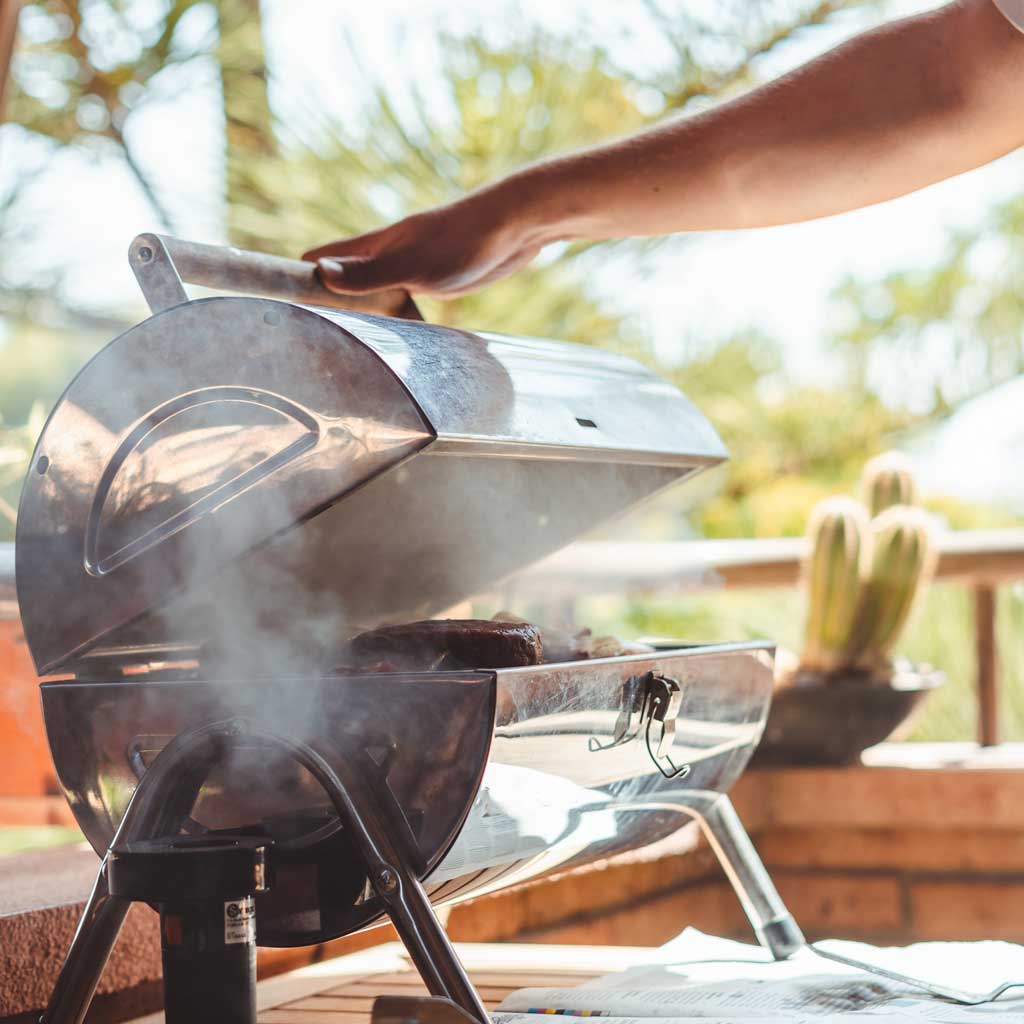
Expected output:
(779, 279)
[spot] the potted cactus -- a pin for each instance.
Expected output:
(867, 563)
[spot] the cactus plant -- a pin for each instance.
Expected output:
(902, 558)
(886, 480)
(862, 575)
(832, 577)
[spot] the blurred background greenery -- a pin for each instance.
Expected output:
(293, 170)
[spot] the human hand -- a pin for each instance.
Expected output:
(446, 251)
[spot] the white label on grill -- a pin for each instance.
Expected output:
(240, 921)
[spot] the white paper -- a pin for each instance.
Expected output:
(887, 1018)
(696, 977)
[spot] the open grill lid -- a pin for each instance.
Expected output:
(240, 468)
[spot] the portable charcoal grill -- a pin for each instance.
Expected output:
(229, 489)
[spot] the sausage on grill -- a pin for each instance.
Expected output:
(451, 644)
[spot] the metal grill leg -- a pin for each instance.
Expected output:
(774, 925)
(374, 825)
(94, 939)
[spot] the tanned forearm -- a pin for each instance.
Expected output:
(889, 112)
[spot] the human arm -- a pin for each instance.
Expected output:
(890, 111)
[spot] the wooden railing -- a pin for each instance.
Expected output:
(982, 560)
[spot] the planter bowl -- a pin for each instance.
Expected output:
(831, 719)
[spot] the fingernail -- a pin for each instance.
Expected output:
(333, 268)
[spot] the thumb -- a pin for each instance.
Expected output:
(354, 275)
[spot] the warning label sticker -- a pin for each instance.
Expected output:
(240, 921)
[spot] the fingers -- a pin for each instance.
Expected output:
(355, 275)
(358, 245)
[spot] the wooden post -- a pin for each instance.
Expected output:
(987, 664)
(9, 10)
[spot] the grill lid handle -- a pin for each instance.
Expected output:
(162, 265)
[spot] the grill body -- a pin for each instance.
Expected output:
(500, 776)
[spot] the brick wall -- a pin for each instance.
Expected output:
(26, 771)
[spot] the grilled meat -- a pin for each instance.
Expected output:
(578, 645)
(451, 644)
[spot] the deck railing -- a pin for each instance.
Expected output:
(982, 560)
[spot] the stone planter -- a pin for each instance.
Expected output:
(831, 720)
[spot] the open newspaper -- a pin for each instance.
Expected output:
(697, 977)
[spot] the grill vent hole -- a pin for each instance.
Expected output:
(586, 423)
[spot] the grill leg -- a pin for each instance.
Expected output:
(206, 979)
(775, 927)
(95, 936)
(160, 802)
(374, 822)
(163, 800)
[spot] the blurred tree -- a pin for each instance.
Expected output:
(82, 68)
(248, 124)
(16, 444)
(955, 328)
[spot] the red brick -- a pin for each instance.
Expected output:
(712, 907)
(952, 850)
(968, 910)
(843, 906)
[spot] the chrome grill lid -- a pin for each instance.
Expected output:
(260, 468)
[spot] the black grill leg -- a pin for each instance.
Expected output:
(209, 964)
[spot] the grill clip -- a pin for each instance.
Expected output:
(664, 697)
(654, 698)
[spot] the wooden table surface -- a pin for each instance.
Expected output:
(342, 991)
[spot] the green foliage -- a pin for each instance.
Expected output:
(789, 452)
(16, 445)
(956, 327)
(18, 838)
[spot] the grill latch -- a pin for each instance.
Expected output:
(655, 698)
